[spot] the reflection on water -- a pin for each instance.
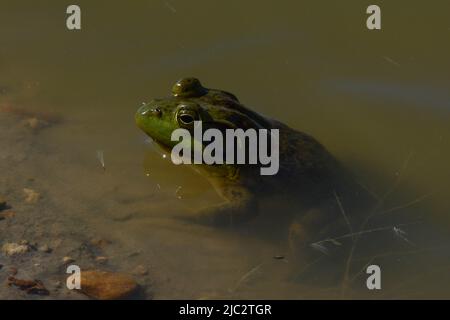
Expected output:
(378, 101)
(414, 95)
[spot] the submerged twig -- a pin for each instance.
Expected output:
(402, 235)
(177, 191)
(391, 61)
(247, 276)
(372, 193)
(341, 208)
(374, 210)
(406, 205)
(362, 269)
(170, 7)
(101, 158)
(359, 233)
(320, 247)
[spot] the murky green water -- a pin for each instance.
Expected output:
(378, 100)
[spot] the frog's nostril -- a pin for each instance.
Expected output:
(147, 111)
(143, 110)
(156, 112)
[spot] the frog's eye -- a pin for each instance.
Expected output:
(186, 116)
(186, 119)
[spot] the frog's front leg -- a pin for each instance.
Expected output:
(311, 233)
(240, 206)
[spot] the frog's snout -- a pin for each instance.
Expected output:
(147, 110)
(147, 114)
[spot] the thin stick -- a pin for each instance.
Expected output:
(343, 212)
(407, 205)
(362, 270)
(363, 225)
(101, 158)
(247, 275)
(359, 233)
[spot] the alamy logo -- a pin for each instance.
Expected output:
(241, 147)
(74, 280)
(73, 21)
(374, 280)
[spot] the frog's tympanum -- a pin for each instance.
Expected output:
(308, 174)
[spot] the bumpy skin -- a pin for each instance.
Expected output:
(308, 175)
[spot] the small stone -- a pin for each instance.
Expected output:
(140, 270)
(67, 260)
(35, 123)
(2, 203)
(31, 196)
(11, 249)
(12, 271)
(134, 254)
(24, 242)
(101, 259)
(99, 242)
(121, 216)
(45, 248)
(104, 285)
(7, 215)
(55, 243)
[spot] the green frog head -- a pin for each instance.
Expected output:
(190, 102)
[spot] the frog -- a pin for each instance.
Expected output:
(310, 179)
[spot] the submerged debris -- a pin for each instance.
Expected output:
(120, 216)
(140, 270)
(47, 117)
(401, 234)
(31, 196)
(392, 61)
(3, 204)
(247, 276)
(11, 249)
(320, 247)
(170, 7)
(45, 248)
(13, 271)
(67, 260)
(35, 123)
(177, 192)
(7, 215)
(29, 286)
(101, 259)
(101, 158)
(100, 242)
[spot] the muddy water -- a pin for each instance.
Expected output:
(379, 101)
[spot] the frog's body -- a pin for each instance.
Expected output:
(308, 174)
